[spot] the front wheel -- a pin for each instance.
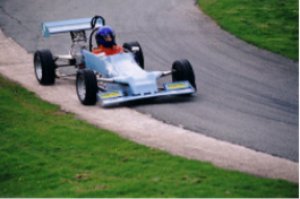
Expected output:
(183, 71)
(86, 86)
(44, 67)
(136, 49)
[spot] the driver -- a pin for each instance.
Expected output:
(105, 38)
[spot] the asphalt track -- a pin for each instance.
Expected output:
(246, 96)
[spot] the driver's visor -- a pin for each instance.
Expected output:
(107, 37)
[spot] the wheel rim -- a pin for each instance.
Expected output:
(81, 88)
(38, 68)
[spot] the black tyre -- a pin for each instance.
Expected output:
(139, 56)
(183, 71)
(44, 67)
(86, 86)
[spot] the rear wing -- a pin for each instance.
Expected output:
(70, 25)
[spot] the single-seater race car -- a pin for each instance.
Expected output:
(112, 79)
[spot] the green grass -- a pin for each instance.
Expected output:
(269, 24)
(45, 152)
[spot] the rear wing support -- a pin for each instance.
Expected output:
(71, 25)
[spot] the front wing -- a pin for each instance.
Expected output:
(116, 97)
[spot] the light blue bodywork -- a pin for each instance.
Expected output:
(130, 81)
(55, 27)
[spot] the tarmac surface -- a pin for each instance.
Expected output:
(246, 96)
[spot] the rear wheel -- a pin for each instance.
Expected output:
(86, 86)
(44, 67)
(136, 49)
(183, 71)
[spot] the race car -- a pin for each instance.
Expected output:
(108, 80)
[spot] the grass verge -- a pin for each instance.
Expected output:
(47, 153)
(272, 25)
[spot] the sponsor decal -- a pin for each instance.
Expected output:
(176, 86)
(110, 95)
